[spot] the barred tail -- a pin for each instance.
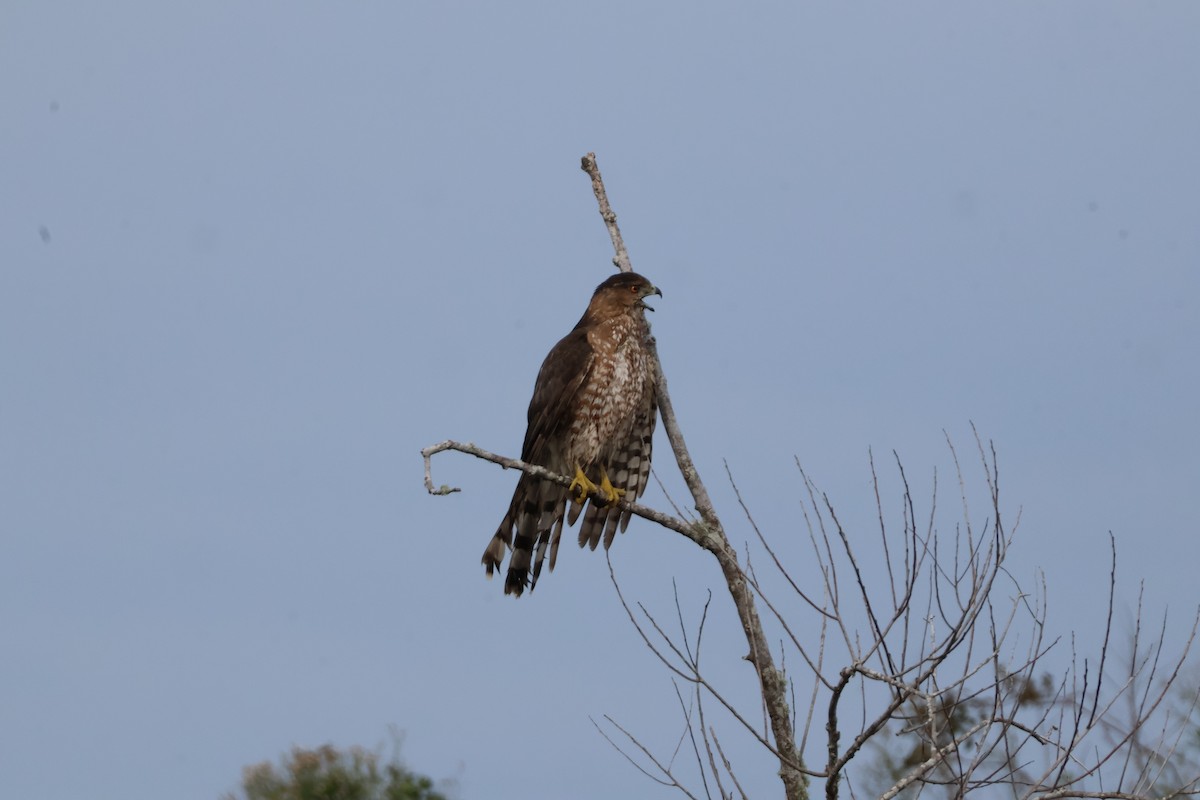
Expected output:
(534, 522)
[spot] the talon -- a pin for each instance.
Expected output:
(611, 493)
(584, 486)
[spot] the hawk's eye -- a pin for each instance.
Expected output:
(633, 289)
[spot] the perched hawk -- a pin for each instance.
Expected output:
(592, 416)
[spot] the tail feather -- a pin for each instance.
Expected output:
(518, 565)
(555, 537)
(576, 507)
(610, 527)
(532, 526)
(493, 554)
(593, 524)
(549, 529)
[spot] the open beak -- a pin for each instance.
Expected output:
(652, 290)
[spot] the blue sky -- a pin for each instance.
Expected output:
(253, 257)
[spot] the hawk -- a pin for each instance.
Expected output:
(592, 416)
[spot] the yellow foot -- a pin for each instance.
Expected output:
(584, 486)
(610, 492)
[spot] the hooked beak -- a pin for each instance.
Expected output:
(647, 293)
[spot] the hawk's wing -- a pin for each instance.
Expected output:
(563, 373)
(537, 507)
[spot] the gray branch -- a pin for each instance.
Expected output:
(772, 682)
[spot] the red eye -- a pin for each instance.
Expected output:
(633, 289)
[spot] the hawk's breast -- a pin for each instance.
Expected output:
(610, 399)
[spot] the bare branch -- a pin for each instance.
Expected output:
(427, 454)
(728, 766)
(621, 259)
(667, 780)
(710, 535)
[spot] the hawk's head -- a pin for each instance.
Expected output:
(624, 291)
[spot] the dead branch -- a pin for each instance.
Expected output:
(621, 259)
(772, 682)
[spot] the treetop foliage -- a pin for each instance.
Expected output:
(327, 773)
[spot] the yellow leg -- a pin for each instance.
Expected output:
(610, 492)
(582, 483)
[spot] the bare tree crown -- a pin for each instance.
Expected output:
(933, 676)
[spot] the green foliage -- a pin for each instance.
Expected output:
(327, 773)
